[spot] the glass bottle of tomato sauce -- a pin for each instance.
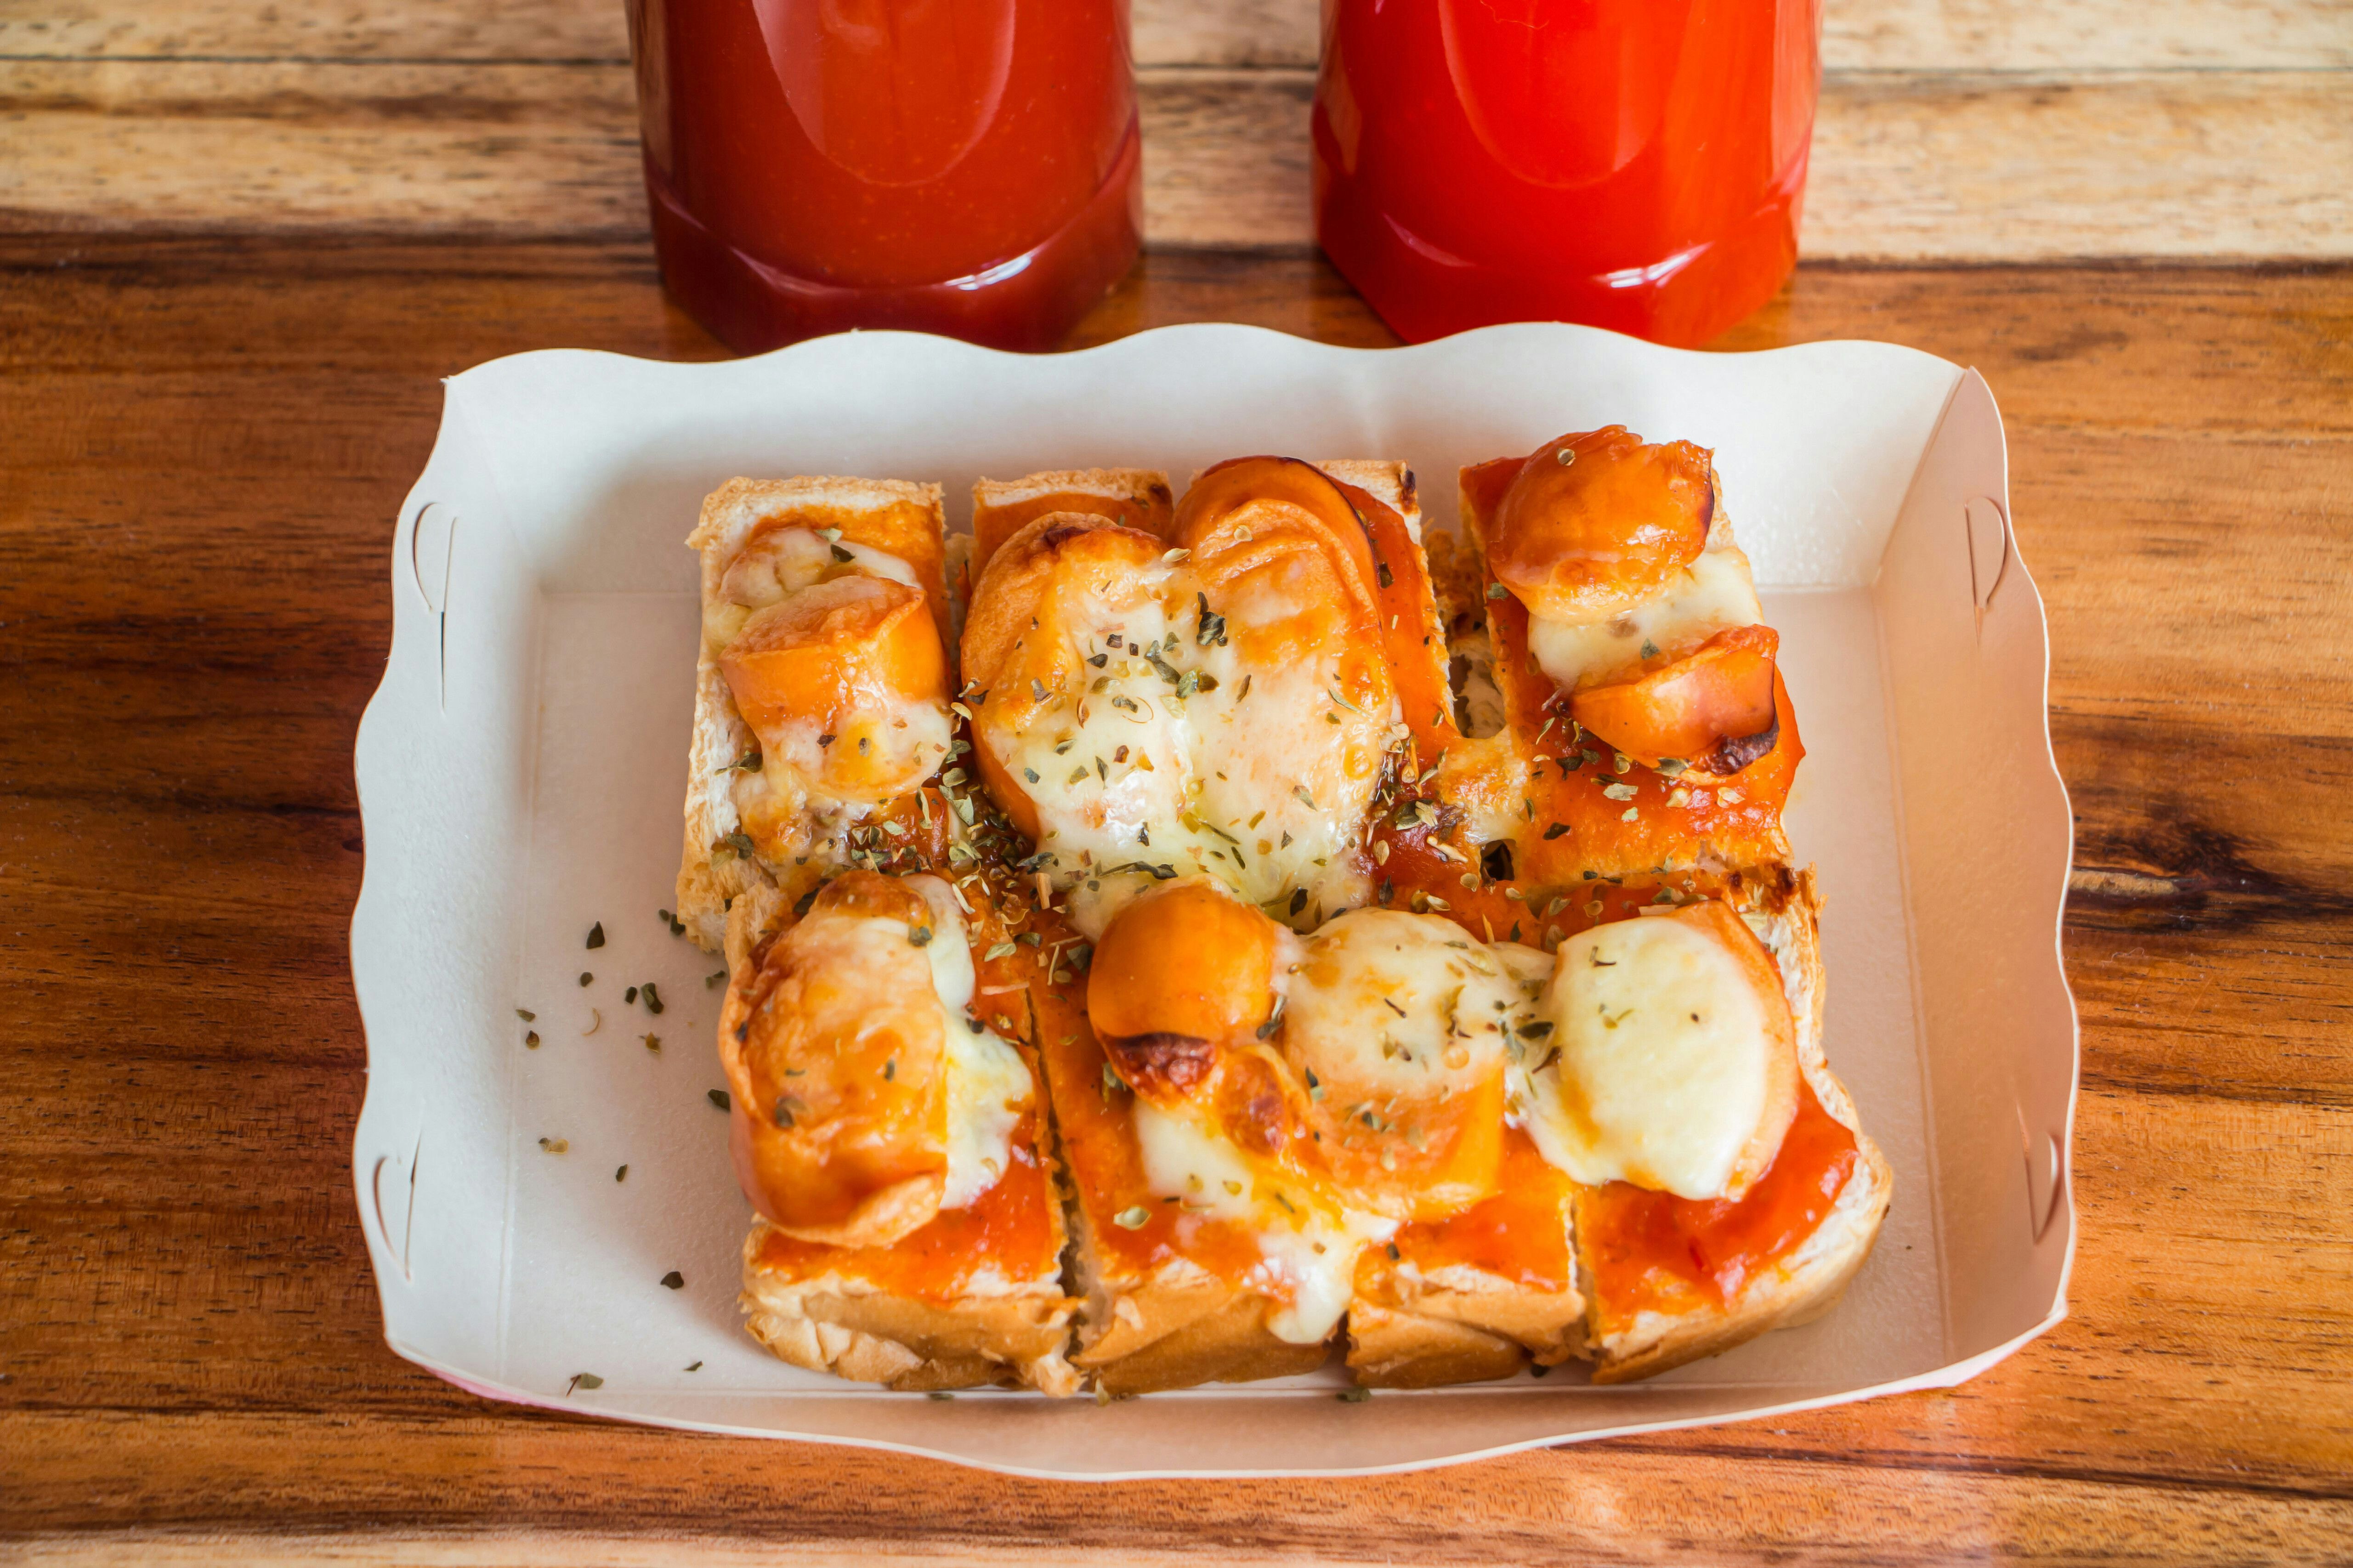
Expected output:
(959, 166)
(1635, 165)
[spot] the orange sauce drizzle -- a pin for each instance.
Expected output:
(1545, 912)
(1654, 1250)
(1011, 1228)
(1520, 1234)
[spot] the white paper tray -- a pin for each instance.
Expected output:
(521, 768)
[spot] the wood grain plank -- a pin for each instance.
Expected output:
(420, 1491)
(208, 436)
(1907, 166)
(464, 150)
(2002, 167)
(2084, 36)
(2079, 35)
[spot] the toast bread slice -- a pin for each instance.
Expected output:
(896, 517)
(1692, 822)
(835, 1321)
(1168, 1322)
(1785, 912)
(857, 1313)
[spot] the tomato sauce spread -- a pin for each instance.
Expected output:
(1520, 1234)
(1011, 1230)
(1651, 1250)
(1417, 874)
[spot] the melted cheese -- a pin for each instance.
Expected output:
(841, 765)
(1659, 1072)
(782, 562)
(1714, 592)
(1307, 1248)
(1394, 1007)
(1259, 777)
(988, 1084)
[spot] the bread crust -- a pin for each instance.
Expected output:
(1178, 1327)
(1140, 498)
(853, 1329)
(708, 880)
(1388, 481)
(1176, 1324)
(1426, 1336)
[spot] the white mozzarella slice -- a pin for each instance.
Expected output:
(989, 1083)
(1662, 1071)
(1393, 1007)
(1197, 1166)
(1714, 594)
(1108, 774)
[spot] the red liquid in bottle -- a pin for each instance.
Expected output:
(1635, 165)
(959, 166)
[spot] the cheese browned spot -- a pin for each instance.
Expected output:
(1673, 1062)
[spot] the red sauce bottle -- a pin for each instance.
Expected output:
(1635, 165)
(959, 166)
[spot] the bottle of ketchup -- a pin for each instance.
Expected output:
(959, 166)
(1635, 165)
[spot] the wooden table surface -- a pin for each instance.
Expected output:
(217, 378)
